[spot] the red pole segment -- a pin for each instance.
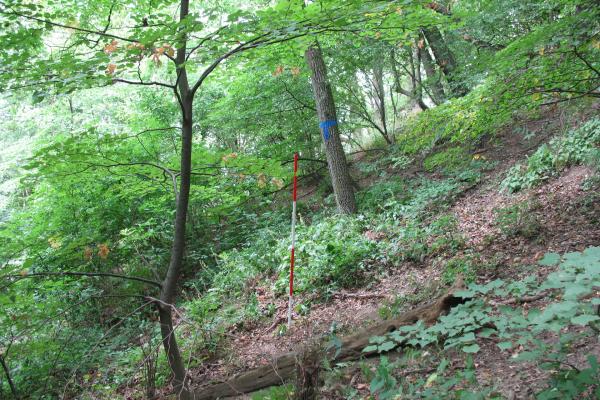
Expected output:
(292, 255)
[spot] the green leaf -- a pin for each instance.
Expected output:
(370, 349)
(584, 319)
(387, 346)
(550, 259)
(505, 345)
(528, 356)
(474, 348)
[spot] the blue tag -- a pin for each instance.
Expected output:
(325, 125)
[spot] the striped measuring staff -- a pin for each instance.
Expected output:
(294, 193)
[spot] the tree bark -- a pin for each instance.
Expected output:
(336, 159)
(414, 73)
(13, 388)
(169, 286)
(445, 59)
(379, 87)
(286, 367)
(433, 78)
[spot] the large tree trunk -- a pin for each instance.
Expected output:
(445, 59)
(286, 368)
(336, 159)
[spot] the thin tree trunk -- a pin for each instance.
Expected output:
(380, 98)
(13, 388)
(417, 86)
(416, 89)
(169, 287)
(336, 159)
(445, 59)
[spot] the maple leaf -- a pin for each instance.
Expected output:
(170, 51)
(136, 45)
(229, 156)
(111, 47)
(277, 182)
(54, 242)
(110, 69)
(278, 70)
(103, 251)
(261, 180)
(88, 253)
(296, 71)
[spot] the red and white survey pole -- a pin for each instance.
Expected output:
(294, 193)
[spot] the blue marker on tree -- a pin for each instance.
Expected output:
(325, 125)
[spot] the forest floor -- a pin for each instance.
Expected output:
(560, 216)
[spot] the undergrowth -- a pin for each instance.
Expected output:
(543, 336)
(576, 147)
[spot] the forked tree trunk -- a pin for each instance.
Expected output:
(379, 86)
(433, 77)
(336, 159)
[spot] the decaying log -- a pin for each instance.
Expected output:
(285, 368)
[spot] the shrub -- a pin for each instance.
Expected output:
(450, 159)
(459, 120)
(578, 146)
(569, 317)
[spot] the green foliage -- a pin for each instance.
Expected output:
(331, 253)
(475, 320)
(285, 392)
(97, 193)
(461, 120)
(576, 147)
(450, 159)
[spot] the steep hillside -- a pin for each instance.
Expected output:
(422, 227)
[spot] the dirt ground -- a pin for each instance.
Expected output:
(564, 216)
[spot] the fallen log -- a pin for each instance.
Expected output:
(287, 367)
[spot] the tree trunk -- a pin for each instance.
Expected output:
(433, 78)
(13, 388)
(414, 73)
(379, 87)
(169, 286)
(336, 159)
(417, 85)
(445, 59)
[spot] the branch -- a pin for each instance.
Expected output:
(304, 105)
(59, 25)
(88, 274)
(586, 62)
(172, 87)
